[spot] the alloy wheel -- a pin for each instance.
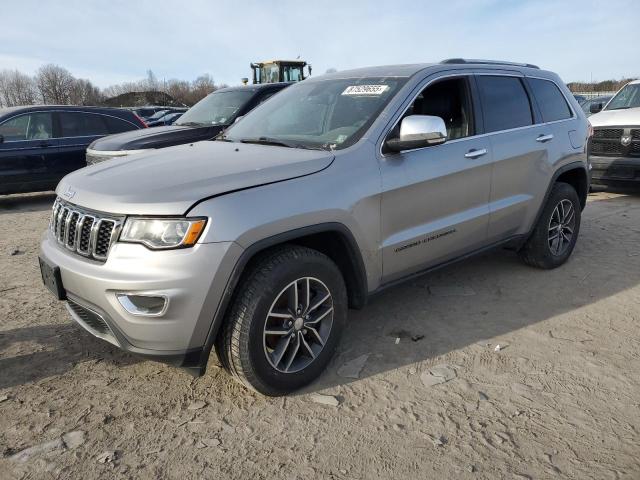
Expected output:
(298, 325)
(561, 227)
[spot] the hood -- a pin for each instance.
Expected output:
(629, 117)
(156, 137)
(171, 180)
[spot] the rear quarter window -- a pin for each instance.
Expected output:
(117, 125)
(505, 103)
(551, 102)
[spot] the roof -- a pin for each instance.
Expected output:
(410, 69)
(28, 108)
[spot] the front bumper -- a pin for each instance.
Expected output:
(193, 279)
(615, 171)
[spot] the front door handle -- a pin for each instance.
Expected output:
(474, 153)
(544, 138)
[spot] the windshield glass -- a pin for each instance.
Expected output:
(320, 114)
(628, 97)
(218, 108)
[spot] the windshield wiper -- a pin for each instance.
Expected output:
(272, 141)
(619, 108)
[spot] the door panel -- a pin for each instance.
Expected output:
(520, 177)
(434, 205)
(23, 165)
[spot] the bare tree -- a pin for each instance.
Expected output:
(83, 92)
(16, 88)
(54, 84)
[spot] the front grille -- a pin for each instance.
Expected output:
(608, 142)
(89, 234)
(90, 318)
(612, 133)
(606, 148)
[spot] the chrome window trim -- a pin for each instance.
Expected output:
(426, 84)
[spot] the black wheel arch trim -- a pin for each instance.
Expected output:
(357, 298)
(578, 165)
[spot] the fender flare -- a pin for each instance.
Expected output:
(357, 264)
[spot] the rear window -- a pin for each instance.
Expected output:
(75, 124)
(117, 125)
(550, 100)
(505, 103)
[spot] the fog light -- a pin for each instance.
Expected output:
(144, 305)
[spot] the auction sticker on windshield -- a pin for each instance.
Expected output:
(365, 90)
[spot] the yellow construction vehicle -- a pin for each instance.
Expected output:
(273, 71)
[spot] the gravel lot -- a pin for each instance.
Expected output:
(559, 399)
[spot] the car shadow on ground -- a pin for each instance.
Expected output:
(490, 296)
(59, 348)
(33, 202)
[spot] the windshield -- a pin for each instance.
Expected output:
(628, 97)
(330, 114)
(218, 108)
(158, 114)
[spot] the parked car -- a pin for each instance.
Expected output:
(203, 121)
(595, 104)
(168, 118)
(41, 144)
(580, 98)
(614, 150)
(145, 112)
(335, 189)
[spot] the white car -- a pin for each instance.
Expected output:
(614, 150)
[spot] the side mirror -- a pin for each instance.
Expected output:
(418, 131)
(595, 107)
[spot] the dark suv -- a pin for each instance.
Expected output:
(41, 144)
(203, 121)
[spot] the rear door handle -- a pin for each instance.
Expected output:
(474, 153)
(544, 138)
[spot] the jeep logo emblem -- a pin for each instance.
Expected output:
(625, 140)
(69, 193)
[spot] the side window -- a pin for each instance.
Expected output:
(505, 103)
(33, 126)
(117, 125)
(550, 100)
(75, 124)
(450, 100)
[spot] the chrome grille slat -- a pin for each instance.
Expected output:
(86, 233)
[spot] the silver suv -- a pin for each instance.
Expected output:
(337, 187)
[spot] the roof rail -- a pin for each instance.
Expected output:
(487, 62)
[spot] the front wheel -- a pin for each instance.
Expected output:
(285, 322)
(556, 233)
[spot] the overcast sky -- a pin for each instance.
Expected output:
(111, 41)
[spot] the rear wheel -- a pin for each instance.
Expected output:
(285, 322)
(556, 232)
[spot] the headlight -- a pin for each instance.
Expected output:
(159, 233)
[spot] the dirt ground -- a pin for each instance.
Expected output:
(559, 399)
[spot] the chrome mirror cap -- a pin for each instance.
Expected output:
(418, 131)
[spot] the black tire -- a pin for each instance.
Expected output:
(242, 344)
(538, 251)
